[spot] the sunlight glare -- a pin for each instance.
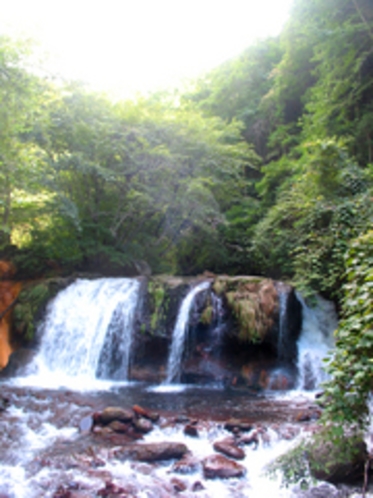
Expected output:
(126, 46)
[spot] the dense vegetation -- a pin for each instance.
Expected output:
(263, 166)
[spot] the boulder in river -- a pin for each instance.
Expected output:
(229, 448)
(151, 452)
(219, 466)
(337, 463)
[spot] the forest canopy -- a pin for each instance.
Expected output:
(262, 166)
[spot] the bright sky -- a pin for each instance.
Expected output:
(125, 46)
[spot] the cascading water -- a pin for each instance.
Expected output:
(315, 341)
(178, 338)
(218, 316)
(283, 301)
(86, 325)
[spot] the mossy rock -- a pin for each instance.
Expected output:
(337, 462)
(207, 315)
(163, 296)
(253, 302)
(157, 302)
(30, 308)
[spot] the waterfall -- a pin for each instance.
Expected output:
(283, 294)
(88, 325)
(315, 341)
(218, 317)
(178, 337)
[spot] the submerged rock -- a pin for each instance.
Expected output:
(218, 466)
(186, 465)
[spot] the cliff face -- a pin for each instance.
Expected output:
(9, 291)
(235, 332)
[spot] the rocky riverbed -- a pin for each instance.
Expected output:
(135, 441)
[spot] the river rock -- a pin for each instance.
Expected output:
(142, 425)
(229, 448)
(111, 490)
(118, 426)
(112, 413)
(178, 485)
(219, 466)
(250, 439)
(191, 429)
(324, 490)
(337, 463)
(236, 426)
(143, 412)
(197, 486)
(186, 465)
(151, 452)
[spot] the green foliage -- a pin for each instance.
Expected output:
(292, 467)
(351, 365)
(251, 303)
(157, 294)
(324, 205)
(30, 301)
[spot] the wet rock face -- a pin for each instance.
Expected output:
(157, 313)
(18, 362)
(245, 327)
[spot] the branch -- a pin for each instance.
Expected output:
(3, 313)
(363, 18)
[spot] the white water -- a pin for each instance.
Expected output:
(178, 338)
(315, 342)
(283, 301)
(81, 323)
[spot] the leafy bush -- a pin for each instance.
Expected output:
(351, 366)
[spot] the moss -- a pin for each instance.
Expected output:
(292, 467)
(253, 302)
(207, 315)
(157, 293)
(28, 312)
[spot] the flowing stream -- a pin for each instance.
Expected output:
(48, 449)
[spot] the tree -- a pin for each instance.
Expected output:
(20, 157)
